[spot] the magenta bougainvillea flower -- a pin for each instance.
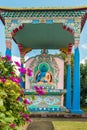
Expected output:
(28, 120)
(17, 63)
(18, 98)
(12, 125)
(12, 73)
(3, 57)
(25, 116)
(20, 113)
(29, 72)
(16, 79)
(39, 90)
(22, 70)
(9, 58)
(27, 102)
(3, 80)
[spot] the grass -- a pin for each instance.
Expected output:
(70, 125)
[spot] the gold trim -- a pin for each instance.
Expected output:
(64, 50)
(45, 8)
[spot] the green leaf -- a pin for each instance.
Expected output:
(2, 121)
(2, 109)
(3, 93)
(18, 128)
(6, 128)
(2, 115)
(1, 102)
(9, 119)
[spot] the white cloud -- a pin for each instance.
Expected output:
(83, 60)
(84, 46)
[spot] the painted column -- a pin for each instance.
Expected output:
(23, 52)
(8, 47)
(8, 37)
(22, 83)
(76, 84)
(68, 83)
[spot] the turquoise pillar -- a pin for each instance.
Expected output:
(68, 87)
(22, 76)
(8, 52)
(76, 85)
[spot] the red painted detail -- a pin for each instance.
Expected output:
(70, 48)
(17, 29)
(68, 29)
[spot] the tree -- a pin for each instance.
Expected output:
(83, 77)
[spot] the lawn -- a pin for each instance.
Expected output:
(70, 125)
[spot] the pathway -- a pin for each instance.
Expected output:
(40, 125)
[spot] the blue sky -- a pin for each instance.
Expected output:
(42, 3)
(46, 3)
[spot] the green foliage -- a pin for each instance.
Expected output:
(10, 107)
(70, 125)
(83, 77)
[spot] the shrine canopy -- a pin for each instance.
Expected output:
(49, 36)
(38, 28)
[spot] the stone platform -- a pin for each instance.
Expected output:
(58, 115)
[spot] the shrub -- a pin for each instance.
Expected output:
(13, 109)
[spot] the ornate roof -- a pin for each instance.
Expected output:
(45, 8)
(48, 27)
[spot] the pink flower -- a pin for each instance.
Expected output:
(17, 63)
(18, 99)
(39, 90)
(12, 125)
(16, 79)
(8, 58)
(3, 80)
(20, 113)
(22, 70)
(25, 116)
(28, 120)
(12, 73)
(2, 57)
(29, 72)
(27, 102)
